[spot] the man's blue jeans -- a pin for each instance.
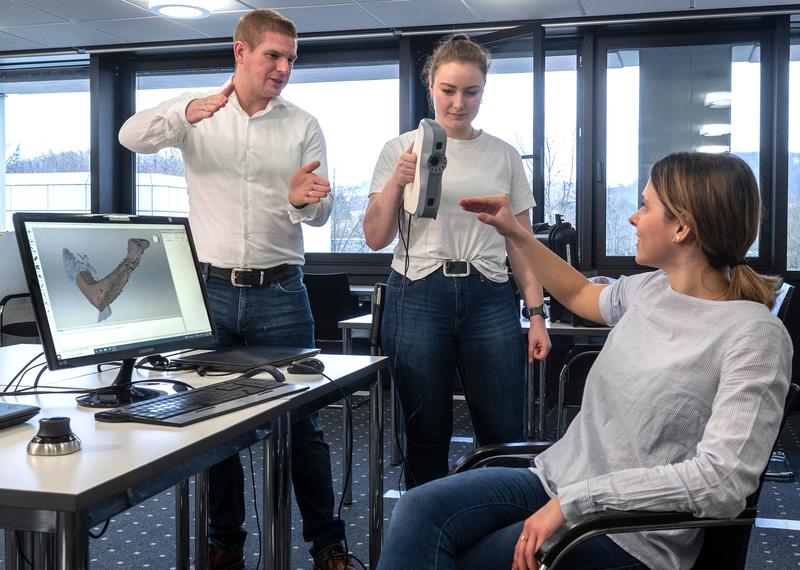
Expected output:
(435, 326)
(473, 520)
(278, 315)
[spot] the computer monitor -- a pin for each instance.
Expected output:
(113, 288)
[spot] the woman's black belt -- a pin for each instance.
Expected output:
(247, 277)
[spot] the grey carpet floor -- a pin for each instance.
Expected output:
(143, 537)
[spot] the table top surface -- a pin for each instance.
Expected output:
(122, 454)
(557, 328)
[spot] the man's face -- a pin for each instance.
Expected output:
(264, 71)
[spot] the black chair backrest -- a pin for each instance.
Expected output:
(331, 302)
(782, 302)
(27, 329)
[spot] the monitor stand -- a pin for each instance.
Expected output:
(120, 393)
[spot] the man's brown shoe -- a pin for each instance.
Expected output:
(221, 559)
(333, 557)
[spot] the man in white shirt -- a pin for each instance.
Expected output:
(255, 169)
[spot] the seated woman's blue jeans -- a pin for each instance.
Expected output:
(473, 520)
(435, 326)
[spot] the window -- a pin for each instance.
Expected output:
(793, 233)
(507, 108)
(661, 100)
(560, 117)
(160, 184)
(507, 112)
(44, 131)
(357, 107)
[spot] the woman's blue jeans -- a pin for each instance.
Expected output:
(435, 326)
(278, 315)
(473, 520)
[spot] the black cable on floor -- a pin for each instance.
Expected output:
(102, 530)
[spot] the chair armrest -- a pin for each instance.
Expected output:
(575, 531)
(484, 453)
(4, 301)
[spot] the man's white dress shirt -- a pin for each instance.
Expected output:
(238, 170)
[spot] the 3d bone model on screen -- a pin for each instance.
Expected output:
(101, 293)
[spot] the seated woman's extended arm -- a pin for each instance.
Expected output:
(562, 281)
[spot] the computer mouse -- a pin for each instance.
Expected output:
(306, 366)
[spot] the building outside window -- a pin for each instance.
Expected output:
(44, 134)
(560, 119)
(357, 107)
(668, 99)
(160, 182)
(793, 233)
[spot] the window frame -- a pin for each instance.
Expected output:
(763, 31)
(46, 70)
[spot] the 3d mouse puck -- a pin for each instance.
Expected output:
(54, 438)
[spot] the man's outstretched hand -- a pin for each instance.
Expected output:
(205, 107)
(306, 187)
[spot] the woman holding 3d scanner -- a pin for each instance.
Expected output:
(450, 305)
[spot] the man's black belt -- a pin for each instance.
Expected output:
(247, 277)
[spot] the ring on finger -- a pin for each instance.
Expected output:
(523, 538)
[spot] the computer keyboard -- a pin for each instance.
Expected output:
(186, 408)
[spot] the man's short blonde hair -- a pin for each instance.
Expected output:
(255, 23)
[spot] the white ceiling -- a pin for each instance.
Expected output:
(27, 25)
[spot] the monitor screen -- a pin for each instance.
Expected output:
(112, 287)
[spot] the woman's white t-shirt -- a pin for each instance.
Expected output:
(481, 166)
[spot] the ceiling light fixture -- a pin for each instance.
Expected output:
(714, 148)
(715, 129)
(718, 99)
(184, 9)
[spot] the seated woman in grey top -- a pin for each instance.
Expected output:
(680, 408)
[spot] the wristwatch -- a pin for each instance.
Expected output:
(529, 312)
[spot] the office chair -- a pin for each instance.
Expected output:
(724, 541)
(575, 355)
(27, 329)
(779, 468)
(331, 302)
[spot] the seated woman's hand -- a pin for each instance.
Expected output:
(493, 210)
(537, 528)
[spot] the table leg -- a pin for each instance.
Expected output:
(529, 413)
(201, 519)
(182, 525)
(18, 546)
(347, 340)
(542, 399)
(72, 541)
(44, 550)
(375, 471)
(347, 421)
(347, 477)
(277, 508)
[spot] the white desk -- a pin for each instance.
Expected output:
(122, 465)
(554, 329)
